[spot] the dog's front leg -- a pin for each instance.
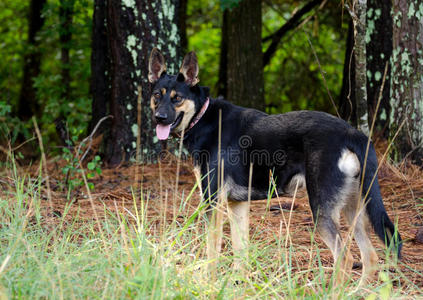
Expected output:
(238, 213)
(215, 230)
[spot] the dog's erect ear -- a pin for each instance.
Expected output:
(156, 65)
(189, 69)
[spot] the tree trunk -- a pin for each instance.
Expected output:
(182, 24)
(28, 104)
(379, 51)
(407, 80)
(347, 103)
(244, 58)
(65, 36)
(100, 67)
(134, 27)
(222, 85)
(360, 8)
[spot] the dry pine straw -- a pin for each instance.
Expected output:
(401, 189)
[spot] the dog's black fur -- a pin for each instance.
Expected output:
(304, 143)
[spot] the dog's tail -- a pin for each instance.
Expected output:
(371, 194)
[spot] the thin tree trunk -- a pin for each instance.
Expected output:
(347, 102)
(360, 8)
(406, 80)
(222, 85)
(65, 36)
(244, 68)
(28, 104)
(133, 29)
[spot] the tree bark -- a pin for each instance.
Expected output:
(134, 27)
(28, 104)
(360, 8)
(379, 51)
(407, 80)
(244, 58)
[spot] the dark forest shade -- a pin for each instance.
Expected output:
(28, 104)
(65, 36)
(120, 58)
(241, 66)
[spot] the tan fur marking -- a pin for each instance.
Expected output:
(238, 213)
(215, 230)
(163, 90)
(153, 104)
(172, 93)
(188, 107)
(356, 215)
(197, 174)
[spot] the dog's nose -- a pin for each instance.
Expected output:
(160, 117)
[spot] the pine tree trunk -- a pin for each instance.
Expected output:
(407, 80)
(379, 51)
(28, 104)
(244, 58)
(134, 27)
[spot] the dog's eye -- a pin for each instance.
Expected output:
(177, 99)
(157, 95)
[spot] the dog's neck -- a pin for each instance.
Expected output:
(199, 114)
(203, 133)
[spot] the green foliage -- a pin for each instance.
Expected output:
(10, 126)
(13, 35)
(229, 4)
(72, 171)
(204, 29)
(293, 79)
(49, 84)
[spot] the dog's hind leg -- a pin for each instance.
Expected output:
(356, 215)
(355, 211)
(238, 213)
(327, 226)
(328, 196)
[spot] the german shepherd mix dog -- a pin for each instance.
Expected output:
(315, 149)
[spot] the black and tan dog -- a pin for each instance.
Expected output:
(322, 152)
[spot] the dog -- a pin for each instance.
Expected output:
(240, 152)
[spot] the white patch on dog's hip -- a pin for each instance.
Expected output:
(349, 163)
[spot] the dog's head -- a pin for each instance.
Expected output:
(175, 99)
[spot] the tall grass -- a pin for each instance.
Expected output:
(138, 256)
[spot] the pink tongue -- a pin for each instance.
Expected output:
(162, 131)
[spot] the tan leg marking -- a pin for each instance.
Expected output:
(197, 174)
(356, 216)
(215, 230)
(238, 213)
(341, 255)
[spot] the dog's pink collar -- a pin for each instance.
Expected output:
(200, 114)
